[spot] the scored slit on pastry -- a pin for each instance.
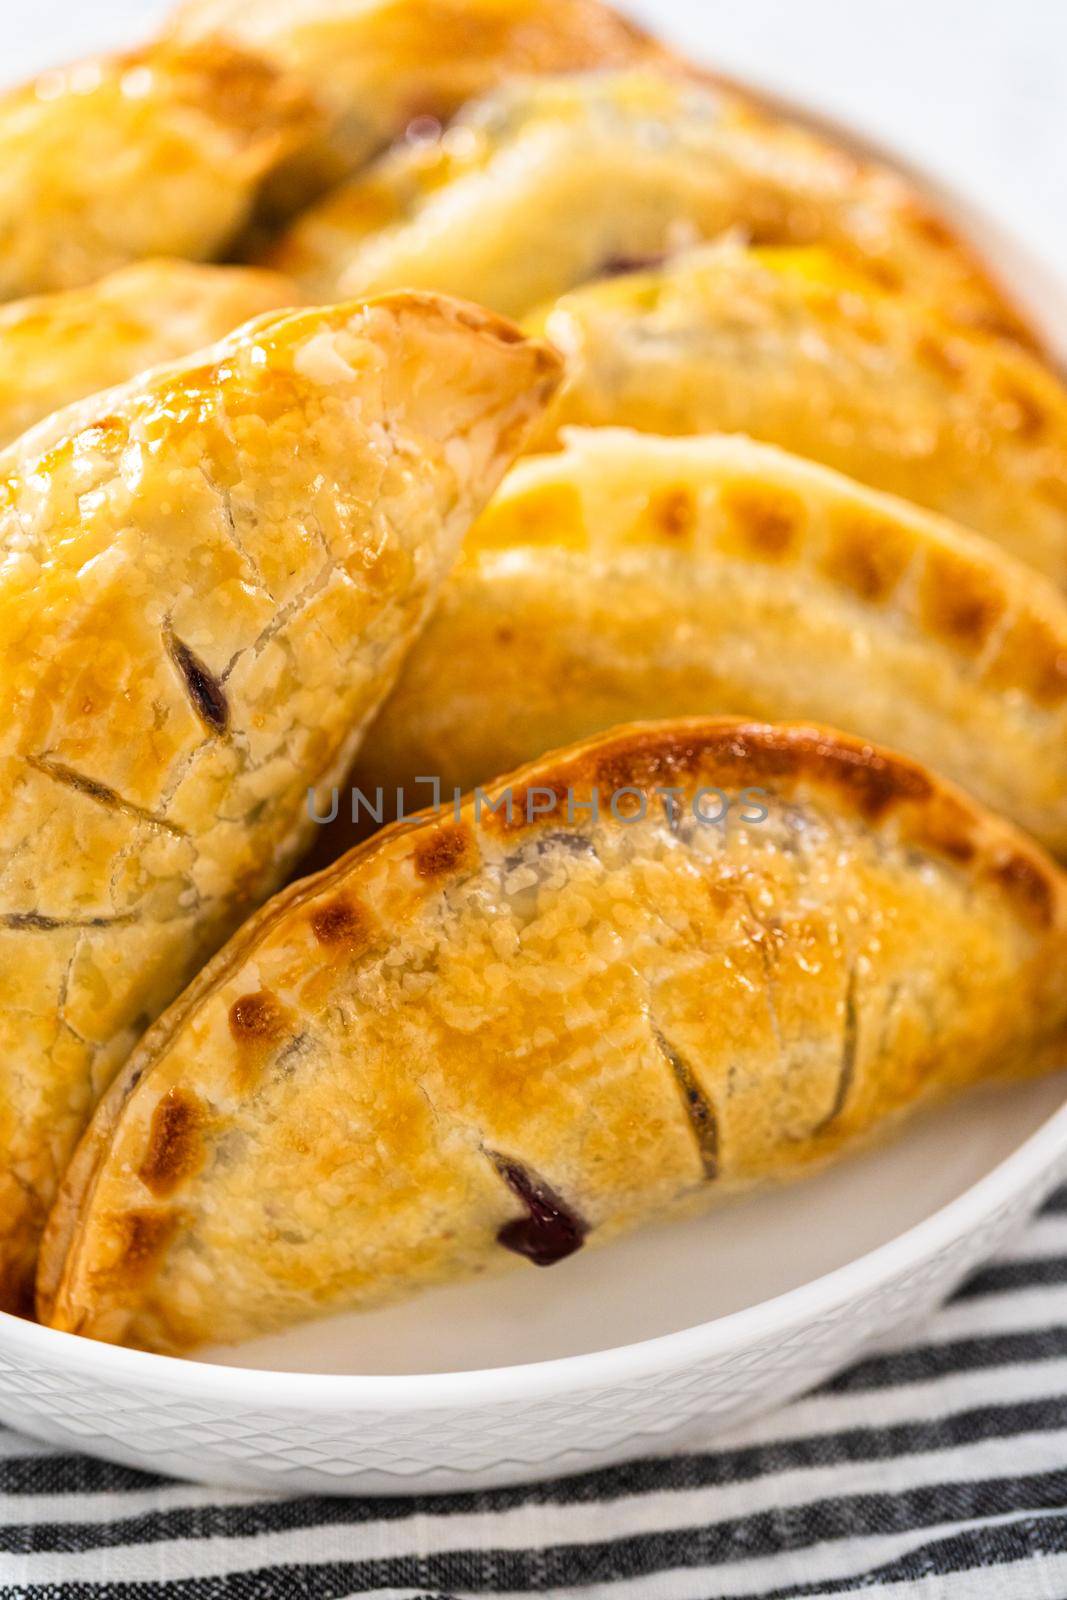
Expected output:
(102, 794)
(469, 1043)
(538, 187)
(698, 1109)
(212, 575)
(206, 692)
(633, 576)
(549, 1231)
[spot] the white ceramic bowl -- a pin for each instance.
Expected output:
(644, 1345)
(667, 1335)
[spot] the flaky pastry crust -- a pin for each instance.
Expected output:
(632, 576)
(480, 1040)
(57, 348)
(549, 183)
(209, 580)
(161, 151)
(381, 65)
(793, 347)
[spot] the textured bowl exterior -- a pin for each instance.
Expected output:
(397, 1435)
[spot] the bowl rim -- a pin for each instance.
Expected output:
(1042, 289)
(1009, 1180)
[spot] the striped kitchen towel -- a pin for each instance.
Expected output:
(935, 1469)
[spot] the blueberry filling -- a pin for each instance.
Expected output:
(204, 689)
(550, 1230)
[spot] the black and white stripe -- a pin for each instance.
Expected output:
(935, 1470)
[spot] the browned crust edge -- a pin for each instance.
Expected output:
(47, 440)
(546, 373)
(882, 789)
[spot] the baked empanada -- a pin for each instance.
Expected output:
(789, 346)
(158, 152)
(550, 182)
(57, 348)
(209, 579)
(632, 576)
(476, 1041)
(380, 65)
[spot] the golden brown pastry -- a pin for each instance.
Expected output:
(380, 65)
(476, 1042)
(550, 182)
(632, 576)
(57, 348)
(210, 578)
(791, 347)
(158, 152)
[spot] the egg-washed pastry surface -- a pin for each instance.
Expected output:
(550, 182)
(792, 347)
(58, 348)
(632, 576)
(379, 65)
(209, 579)
(158, 152)
(478, 1041)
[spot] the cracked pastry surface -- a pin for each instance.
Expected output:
(630, 576)
(379, 65)
(158, 152)
(58, 348)
(477, 1042)
(209, 578)
(791, 346)
(548, 183)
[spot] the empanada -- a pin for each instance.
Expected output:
(550, 182)
(158, 152)
(57, 348)
(789, 346)
(209, 579)
(632, 576)
(478, 1041)
(380, 65)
